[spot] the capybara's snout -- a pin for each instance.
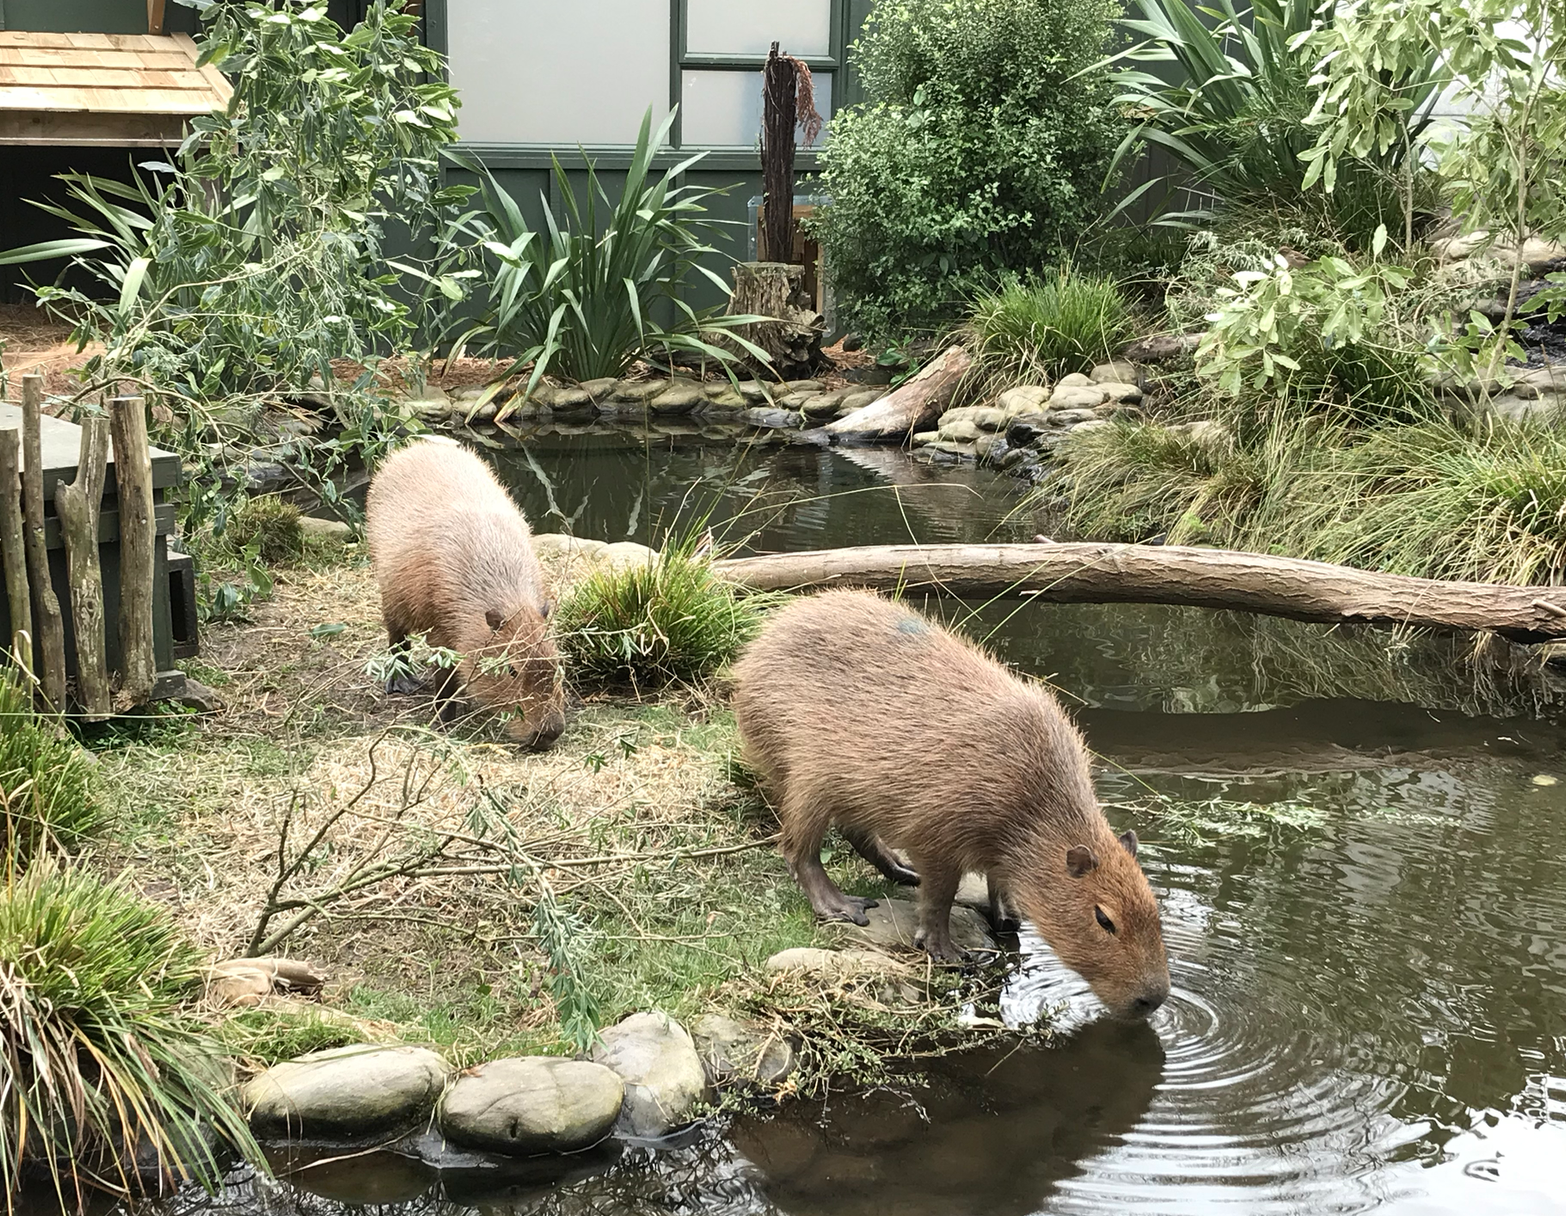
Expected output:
(1145, 1004)
(539, 732)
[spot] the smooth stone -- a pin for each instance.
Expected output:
(858, 399)
(893, 923)
(662, 1072)
(333, 530)
(1092, 424)
(572, 399)
(625, 554)
(431, 406)
(804, 386)
(543, 396)
(988, 418)
(1026, 428)
(1070, 417)
(754, 391)
(1161, 348)
(922, 437)
(559, 542)
(961, 431)
(973, 891)
(347, 1091)
(1023, 399)
(822, 405)
(1541, 381)
(814, 960)
(1077, 397)
(535, 1104)
(732, 1051)
(776, 419)
(1123, 394)
(1118, 371)
(955, 447)
(1206, 431)
(716, 388)
(639, 390)
(728, 399)
(599, 390)
(984, 445)
(680, 397)
(1074, 380)
(794, 401)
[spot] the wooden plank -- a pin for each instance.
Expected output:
(35, 38)
(219, 82)
(46, 100)
(154, 16)
(34, 126)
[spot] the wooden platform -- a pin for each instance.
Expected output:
(123, 90)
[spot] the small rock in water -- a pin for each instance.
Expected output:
(858, 400)
(822, 405)
(347, 1091)
(1545, 779)
(781, 420)
(1074, 380)
(535, 1104)
(662, 1072)
(681, 397)
(732, 1051)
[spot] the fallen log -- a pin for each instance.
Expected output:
(78, 504)
(133, 483)
(913, 405)
(1169, 574)
(48, 621)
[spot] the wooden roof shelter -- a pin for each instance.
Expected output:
(122, 90)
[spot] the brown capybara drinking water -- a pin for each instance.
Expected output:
(455, 562)
(862, 713)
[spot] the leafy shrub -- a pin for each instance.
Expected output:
(96, 1059)
(48, 790)
(267, 522)
(667, 620)
(979, 150)
(1035, 329)
(1237, 114)
(583, 300)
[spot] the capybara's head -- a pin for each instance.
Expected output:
(517, 667)
(1100, 917)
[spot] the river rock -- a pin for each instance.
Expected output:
(1070, 417)
(535, 1104)
(1122, 394)
(726, 401)
(432, 405)
(600, 389)
(1091, 424)
(1074, 380)
(731, 1051)
(834, 964)
(662, 1072)
(755, 392)
(1117, 371)
(347, 1091)
(1026, 429)
(639, 390)
(921, 438)
(893, 923)
(774, 419)
(572, 400)
(794, 401)
(1161, 348)
(1023, 399)
(332, 531)
(822, 405)
(1077, 397)
(1541, 381)
(984, 447)
(961, 431)
(625, 554)
(858, 399)
(681, 397)
(804, 386)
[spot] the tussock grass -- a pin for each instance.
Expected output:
(667, 621)
(267, 522)
(1038, 329)
(97, 1059)
(48, 790)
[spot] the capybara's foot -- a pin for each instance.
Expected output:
(1005, 921)
(939, 946)
(405, 684)
(846, 907)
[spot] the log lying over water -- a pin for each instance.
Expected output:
(911, 406)
(1169, 574)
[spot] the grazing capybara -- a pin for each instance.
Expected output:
(862, 713)
(455, 562)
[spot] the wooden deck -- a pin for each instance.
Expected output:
(127, 90)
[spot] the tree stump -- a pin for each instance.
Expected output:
(13, 548)
(47, 617)
(133, 481)
(791, 335)
(78, 504)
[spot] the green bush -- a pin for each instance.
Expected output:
(979, 150)
(648, 625)
(96, 1058)
(269, 523)
(1039, 329)
(47, 784)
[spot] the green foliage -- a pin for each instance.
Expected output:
(96, 1057)
(48, 791)
(271, 1036)
(647, 625)
(583, 300)
(1236, 112)
(269, 523)
(980, 149)
(1034, 330)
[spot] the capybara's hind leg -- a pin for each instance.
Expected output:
(447, 703)
(804, 827)
(1003, 913)
(403, 681)
(868, 847)
(936, 893)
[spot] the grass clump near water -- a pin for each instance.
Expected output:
(98, 1060)
(1037, 329)
(665, 621)
(48, 791)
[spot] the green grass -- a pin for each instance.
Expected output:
(269, 523)
(1038, 329)
(48, 789)
(271, 1035)
(96, 1053)
(671, 620)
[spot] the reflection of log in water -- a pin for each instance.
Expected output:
(992, 1135)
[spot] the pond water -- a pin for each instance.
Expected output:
(1369, 1005)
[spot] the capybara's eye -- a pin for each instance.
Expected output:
(1104, 923)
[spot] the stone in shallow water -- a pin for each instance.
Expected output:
(347, 1091)
(662, 1072)
(681, 397)
(534, 1104)
(774, 419)
(733, 1051)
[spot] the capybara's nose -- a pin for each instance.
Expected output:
(1148, 1001)
(544, 735)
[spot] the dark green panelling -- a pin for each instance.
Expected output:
(91, 16)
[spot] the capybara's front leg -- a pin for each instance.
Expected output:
(936, 891)
(447, 703)
(804, 827)
(1003, 914)
(870, 848)
(402, 681)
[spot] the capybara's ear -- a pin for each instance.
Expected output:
(1080, 861)
(493, 619)
(1128, 842)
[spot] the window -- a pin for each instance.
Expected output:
(566, 72)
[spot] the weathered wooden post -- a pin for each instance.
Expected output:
(46, 605)
(133, 481)
(78, 504)
(779, 117)
(13, 548)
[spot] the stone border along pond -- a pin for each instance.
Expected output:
(647, 1078)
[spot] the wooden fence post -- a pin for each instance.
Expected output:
(46, 605)
(133, 481)
(78, 504)
(13, 548)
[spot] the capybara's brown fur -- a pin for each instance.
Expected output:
(455, 562)
(862, 713)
